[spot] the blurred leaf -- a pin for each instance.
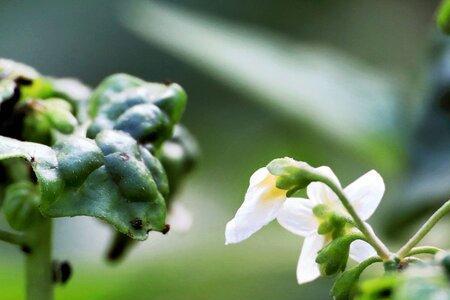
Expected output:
(349, 101)
(427, 184)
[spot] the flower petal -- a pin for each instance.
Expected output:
(307, 268)
(365, 193)
(327, 172)
(261, 205)
(179, 218)
(361, 250)
(258, 176)
(320, 193)
(296, 216)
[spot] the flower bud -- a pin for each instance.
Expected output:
(333, 257)
(20, 205)
(346, 282)
(292, 175)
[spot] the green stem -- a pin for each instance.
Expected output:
(371, 237)
(13, 238)
(39, 282)
(423, 250)
(420, 234)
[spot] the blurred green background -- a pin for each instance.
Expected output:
(332, 82)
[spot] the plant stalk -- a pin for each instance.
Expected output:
(38, 264)
(370, 236)
(420, 234)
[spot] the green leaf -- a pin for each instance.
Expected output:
(147, 111)
(106, 179)
(345, 283)
(112, 84)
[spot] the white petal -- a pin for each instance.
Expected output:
(261, 205)
(307, 268)
(258, 176)
(180, 218)
(296, 216)
(320, 193)
(365, 193)
(361, 250)
(327, 172)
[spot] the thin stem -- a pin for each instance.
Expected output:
(423, 250)
(39, 282)
(371, 260)
(420, 234)
(13, 238)
(371, 237)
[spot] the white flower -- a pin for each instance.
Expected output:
(263, 201)
(296, 215)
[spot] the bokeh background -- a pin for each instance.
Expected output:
(356, 85)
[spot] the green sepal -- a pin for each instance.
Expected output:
(292, 175)
(321, 211)
(346, 282)
(334, 256)
(20, 205)
(324, 228)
